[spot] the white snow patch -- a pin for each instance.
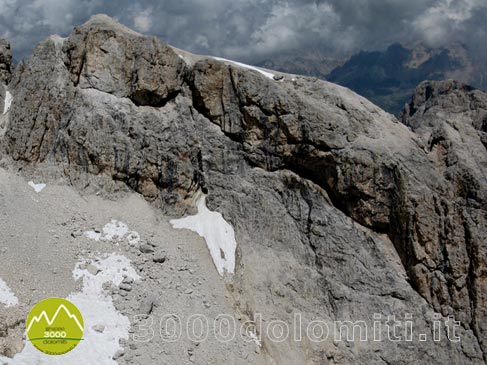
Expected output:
(184, 59)
(37, 187)
(133, 238)
(92, 235)
(7, 297)
(115, 231)
(266, 74)
(8, 102)
(114, 268)
(218, 234)
(96, 306)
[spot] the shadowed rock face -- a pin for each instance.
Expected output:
(6, 63)
(340, 211)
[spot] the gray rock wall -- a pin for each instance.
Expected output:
(340, 211)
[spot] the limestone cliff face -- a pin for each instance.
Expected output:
(340, 211)
(451, 120)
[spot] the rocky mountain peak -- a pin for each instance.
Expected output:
(449, 97)
(438, 108)
(106, 56)
(339, 210)
(104, 22)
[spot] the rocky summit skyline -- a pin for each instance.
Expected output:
(253, 31)
(345, 41)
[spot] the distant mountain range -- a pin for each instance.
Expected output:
(388, 78)
(315, 63)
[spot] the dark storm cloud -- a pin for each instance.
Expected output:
(253, 29)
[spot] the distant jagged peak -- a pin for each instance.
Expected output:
(421, 53)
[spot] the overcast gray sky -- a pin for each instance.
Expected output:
(252, 30)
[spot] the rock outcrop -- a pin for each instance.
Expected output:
(148, 71)
(451, 119)
(339, 211)
(6, 62)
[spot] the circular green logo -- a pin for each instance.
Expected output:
(55, 326)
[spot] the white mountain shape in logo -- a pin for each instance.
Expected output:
(50, 321)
